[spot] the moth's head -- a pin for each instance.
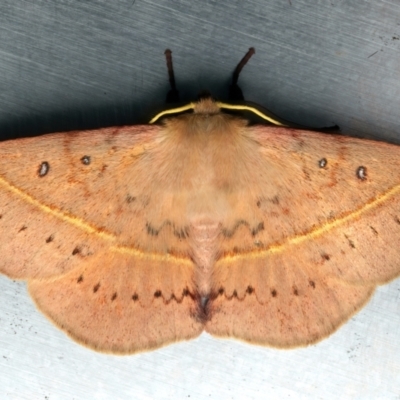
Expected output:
(236, 103)
(208, 105)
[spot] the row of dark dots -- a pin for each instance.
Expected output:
(44, 167)
(327, 257)
(135, 297)
(361, 171)
(274, 293)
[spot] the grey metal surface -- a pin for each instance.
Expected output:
(76, 65)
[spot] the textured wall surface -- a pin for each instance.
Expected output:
(77, 65)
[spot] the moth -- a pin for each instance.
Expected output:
(134, 237)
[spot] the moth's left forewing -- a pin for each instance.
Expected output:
(306, 185)
(323, 232)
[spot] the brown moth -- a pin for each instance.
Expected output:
(134, 237)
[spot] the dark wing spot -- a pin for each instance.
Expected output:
(183, 233)
(258, 203)
(260, 227)
(374, 230)
(326, 257)
(150, 230)
(275, 200)
(157, 294)
(76, 251)
(322, 163)
(96, 288)
(23, 228)
(80, 279)
(234, 294)
(114, 296)
(351, 243)
(135, 297)
(50, 239)
(130, 199)
(43, 169)
(361, 173)
(221, 291)
(295, 291)
(85, 160)
(312, 283)
(396, 219)
(274, 293)
(249, 290)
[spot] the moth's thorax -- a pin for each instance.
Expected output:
(204, 155)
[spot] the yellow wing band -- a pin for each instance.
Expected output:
(317, 231)
(86, 227)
